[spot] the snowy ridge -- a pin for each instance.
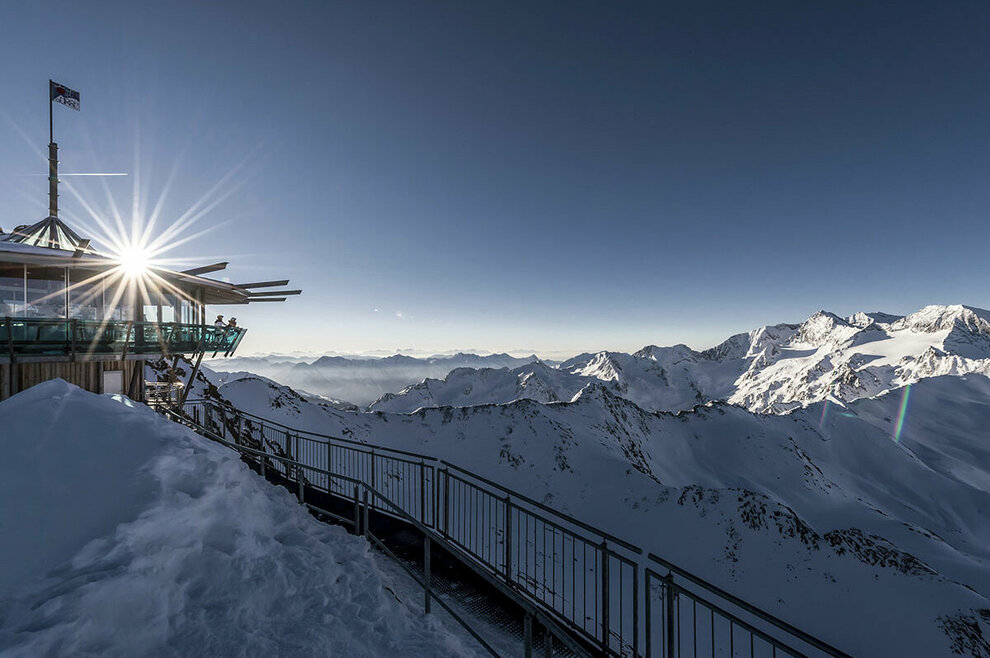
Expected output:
(467, 387)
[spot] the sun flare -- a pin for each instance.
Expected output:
(134, 261)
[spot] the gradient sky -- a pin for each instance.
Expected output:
(549, 177)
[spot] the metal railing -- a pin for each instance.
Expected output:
(24, 337)
(216, 424)
(602, 590)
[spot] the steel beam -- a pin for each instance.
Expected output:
(262, 284)
(206, 269)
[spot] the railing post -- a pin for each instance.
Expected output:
(507, 539)
(426, 573)
(357, 512)
(422, 492)
(372, 477)
(648, 614)
(669, 602)
(548, 643)
(528, 636)
(299, 469)
(606, 626)
(364, 526)
(436, 497)
(636, 609)
(446, 502)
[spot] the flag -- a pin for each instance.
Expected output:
(64, 95)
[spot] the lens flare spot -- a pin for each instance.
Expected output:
(902, 414)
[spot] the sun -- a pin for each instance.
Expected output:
(134, 261)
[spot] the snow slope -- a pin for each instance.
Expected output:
(126, 535)
(878, 546)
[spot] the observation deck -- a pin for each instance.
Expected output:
(35, 339)
(96, 321)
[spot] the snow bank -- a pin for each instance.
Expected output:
(124, 534)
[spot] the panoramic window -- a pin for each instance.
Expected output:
(46, 294)
(11, 290)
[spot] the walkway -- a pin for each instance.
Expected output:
(586, 592)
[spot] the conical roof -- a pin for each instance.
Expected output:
(50, 232)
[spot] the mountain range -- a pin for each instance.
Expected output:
(358, 381)
(772, 369)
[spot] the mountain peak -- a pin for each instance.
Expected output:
(863, 320)
(823, 328)
(943, 317)
(674, 353)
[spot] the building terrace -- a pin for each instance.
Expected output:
(67, 311)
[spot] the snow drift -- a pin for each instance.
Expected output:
(124, 534)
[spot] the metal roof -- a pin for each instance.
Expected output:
(214, 292)
(51, 232)
(52, 243)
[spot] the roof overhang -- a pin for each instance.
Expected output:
(200, 288)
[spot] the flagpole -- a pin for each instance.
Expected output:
(52, 160)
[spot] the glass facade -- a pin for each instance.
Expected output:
(11, 290)
(84, 294)
(46, 292)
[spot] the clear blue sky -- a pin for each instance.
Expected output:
(556, 177)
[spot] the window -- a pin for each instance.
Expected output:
(46, 294)
(85, 295)
(11, 291)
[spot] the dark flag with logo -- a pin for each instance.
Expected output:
(64, 95)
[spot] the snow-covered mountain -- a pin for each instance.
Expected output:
(470, 386)
(879, 546)
(359, 380)
(772, 369)
(127, 535)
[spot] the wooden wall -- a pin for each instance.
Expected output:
(87, 375)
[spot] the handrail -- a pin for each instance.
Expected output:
(420, 456)
(396, 510)
(529, 501)
(352, 442)
(515, 579)
(753, 610)
(73, 337)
